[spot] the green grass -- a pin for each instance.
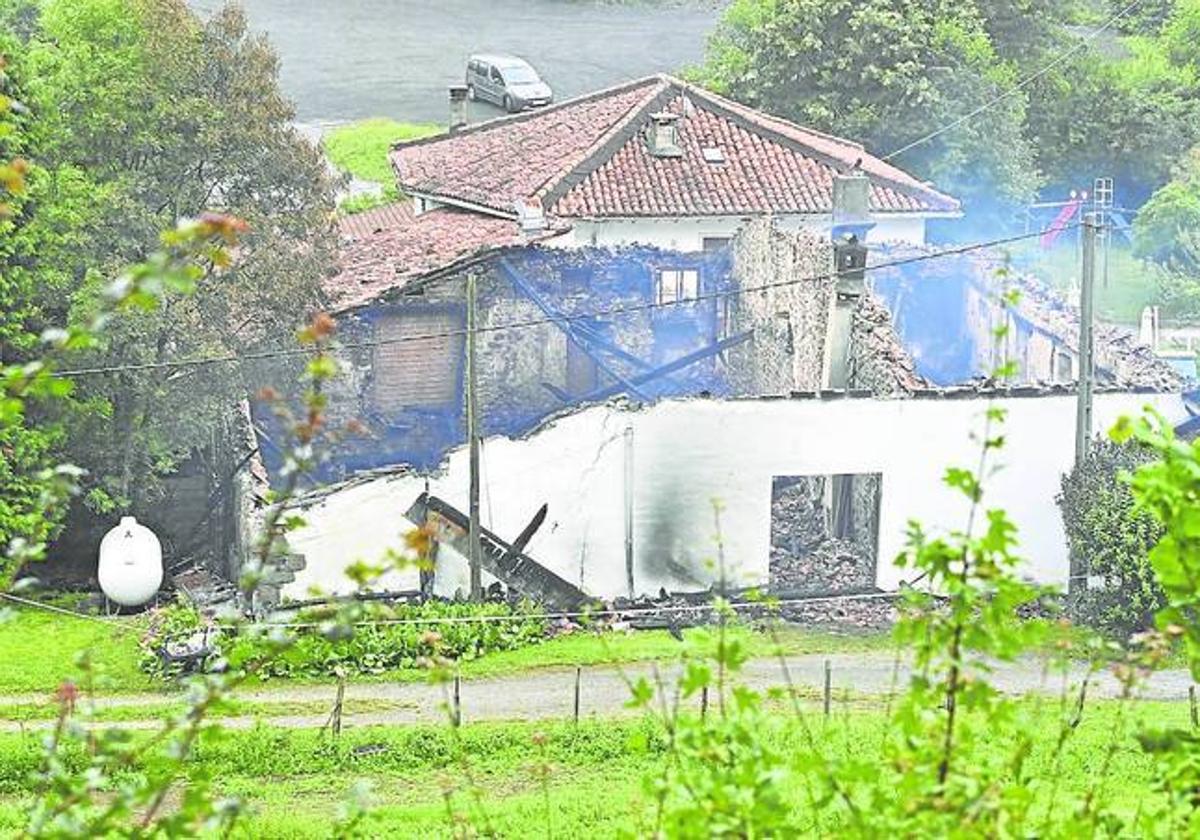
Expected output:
(1131, 283)
(361, 148)
(40, 650)
(294, 780)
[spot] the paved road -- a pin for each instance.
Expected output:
(343, 60)
(547, 694)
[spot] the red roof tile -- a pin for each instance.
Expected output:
(385, 248)
(587, 157)
(502, 161)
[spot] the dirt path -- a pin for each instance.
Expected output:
(549, 693)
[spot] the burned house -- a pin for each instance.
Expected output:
(668, 313)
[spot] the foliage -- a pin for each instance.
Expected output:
(1169, 488)
(361, 148)
(1124, 118)
(1146, 18)
(293, 780)
(1110, 538)
(26, 437)
(884, 72)
(173, 623)
(146, 116)
(375, 647)
(1167, 229)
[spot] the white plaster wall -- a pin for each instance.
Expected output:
(688, 233)
(689, 454)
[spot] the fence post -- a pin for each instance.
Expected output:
(456, 711)
(337, 706)
(1192, 704)
(703, 702)
(578, 676)
(828, 685)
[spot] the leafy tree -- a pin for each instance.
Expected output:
(152, 116)
(1125, 117)
(1167, 229)
(1025, 32)
(884, 72)
(26, 440)
(1146, 18)
(1110, 537)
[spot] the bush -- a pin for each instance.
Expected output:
(374, 647)
(1109, 537)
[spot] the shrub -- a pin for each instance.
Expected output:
(1111, 538)
(383, 642)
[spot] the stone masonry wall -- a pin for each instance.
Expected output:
(790, 322)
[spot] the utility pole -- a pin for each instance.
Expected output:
(1087, 343)
(473, 441)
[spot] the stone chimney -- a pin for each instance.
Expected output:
(851, 221)
(458, 107)
(662, 135)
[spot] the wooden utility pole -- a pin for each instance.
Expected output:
(1087, 341)
(473, 440)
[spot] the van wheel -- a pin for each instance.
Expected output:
(508, 103)
(471, 92)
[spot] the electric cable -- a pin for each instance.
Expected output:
(233, 358)
(1019, 86)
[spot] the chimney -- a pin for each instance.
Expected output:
(662, 135)
(458, 107)
(851, 221)
(851, 203)
(531, 218)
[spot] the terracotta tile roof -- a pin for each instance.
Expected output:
(384, 249)
(587, 157)
(502, 161)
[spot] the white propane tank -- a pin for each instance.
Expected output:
(131, 568)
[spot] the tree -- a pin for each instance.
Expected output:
(1167, 229)
(153, 116)
(1125, 118)
(26, 442)
(884, 72)
(1111, 538)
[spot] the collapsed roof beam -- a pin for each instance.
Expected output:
(525, 288)
(671, 367)
(503, 561)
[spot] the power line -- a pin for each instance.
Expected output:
(535, 322)
(1019, 86)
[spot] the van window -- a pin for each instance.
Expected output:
(521, 75)
(495, 75)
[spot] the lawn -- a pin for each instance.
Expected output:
(294, 781)
(361, 148)
(40, 650)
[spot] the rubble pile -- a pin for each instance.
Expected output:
(829, 566)
(1120, 359)
(880, 363)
